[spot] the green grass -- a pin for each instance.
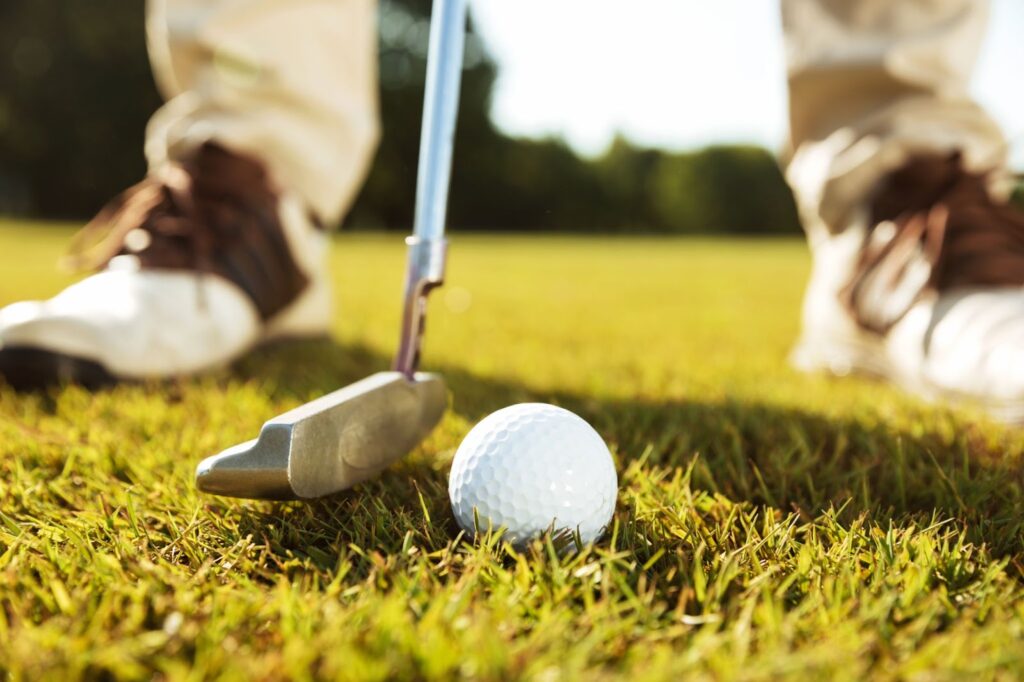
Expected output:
(769, 524)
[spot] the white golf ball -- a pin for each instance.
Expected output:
(530, 468)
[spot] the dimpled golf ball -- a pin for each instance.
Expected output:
(530, 468)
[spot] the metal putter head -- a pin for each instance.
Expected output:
(331, 443)
(348, 436)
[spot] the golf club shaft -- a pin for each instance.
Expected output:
(440, 106)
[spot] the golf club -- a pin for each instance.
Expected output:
(348, 436)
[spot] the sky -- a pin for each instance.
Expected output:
(680, 73)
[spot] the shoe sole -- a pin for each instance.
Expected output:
(32, 369)
(866, 357)
(26, 368)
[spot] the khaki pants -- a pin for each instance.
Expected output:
(294, 81)
(870, 82)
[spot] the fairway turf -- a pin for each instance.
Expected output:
(769, 524)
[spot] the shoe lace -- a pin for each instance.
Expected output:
(935, 226)
(181, 215)
(161, 204)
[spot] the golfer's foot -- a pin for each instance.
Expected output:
(928, 290)
(197, 264)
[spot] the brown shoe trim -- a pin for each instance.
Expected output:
(934, 226)
(215, 212)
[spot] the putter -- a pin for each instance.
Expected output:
(350, 435)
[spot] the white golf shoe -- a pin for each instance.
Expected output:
(198, 263)
(925, 288)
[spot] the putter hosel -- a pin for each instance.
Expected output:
(426, 271)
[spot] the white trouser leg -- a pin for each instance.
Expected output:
(293, 82)
(871, 81)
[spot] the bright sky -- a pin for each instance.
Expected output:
(680, 73)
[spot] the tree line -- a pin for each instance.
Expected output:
(76, 92)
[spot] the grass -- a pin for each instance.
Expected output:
(769, 524)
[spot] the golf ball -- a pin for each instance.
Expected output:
(530, 468)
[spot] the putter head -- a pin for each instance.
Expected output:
(331, 443)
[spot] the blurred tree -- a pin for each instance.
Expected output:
(387, 197)
(721, 189)
(76, 92)
(626, 174)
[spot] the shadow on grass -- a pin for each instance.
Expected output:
(787, 458)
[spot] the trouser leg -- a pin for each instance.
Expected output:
(872, 82)
(293, 82)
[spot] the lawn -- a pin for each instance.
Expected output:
(769, 524)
